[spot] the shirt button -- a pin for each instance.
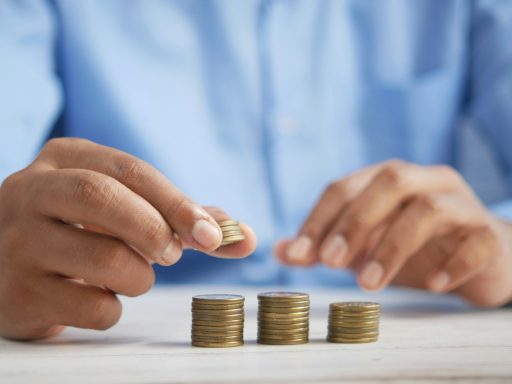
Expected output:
(286, 125)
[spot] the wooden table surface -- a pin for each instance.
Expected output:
(423, 338)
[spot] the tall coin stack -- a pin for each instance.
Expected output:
(231, 232)
(217, 321)
(283, 318)
(353, 322)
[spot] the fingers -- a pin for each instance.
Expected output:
(195, 227)
(392, 185)
(303, 250)
(473, 254)
(86, 197)
(100, 260)
(236, 250)
(71, 303)
(424, 218)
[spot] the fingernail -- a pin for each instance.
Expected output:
(372, 274)
(206, 234)
(299, 248)
(169, 255)
(334, 250)
(440, 281)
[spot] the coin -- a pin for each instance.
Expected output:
(355, 314)
(351, 341)
(283, 326)
(284, 304)
(218, 298)
(355, 306)
(231, 233)
(283, 337)
(284, 296)
(265, 309)
(283, 342)
(208, 344)
(335, 334)
(226, 223)
(353, 330)
(278, 316)
(224, 312)
(224, 328)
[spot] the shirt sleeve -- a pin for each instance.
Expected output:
(490, 89)
(30, 95)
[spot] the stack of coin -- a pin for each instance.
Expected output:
(283, 318)
(353, 322)
(217, 321)
(231, 232)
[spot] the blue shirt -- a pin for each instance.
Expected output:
(255, 106)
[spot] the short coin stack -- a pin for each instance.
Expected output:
(231, 232)
(283, 318)
(217, 321)
(353, 322)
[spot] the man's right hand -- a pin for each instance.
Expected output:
(83, 223)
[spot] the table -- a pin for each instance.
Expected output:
(424, 338)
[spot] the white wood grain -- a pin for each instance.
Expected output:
(424, 338)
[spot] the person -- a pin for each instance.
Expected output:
(329, 127)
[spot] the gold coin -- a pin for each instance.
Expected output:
(217, 337)
(281, 326)
(273, 331)
(353, 324)
(233, 238)
(215, 323)
(283, 342)
(231, 233)
(351, 341)
(263, 309)
(355, 306)
(289, 322)
(209, 344)
(333, 333)
(221, 312)
(354, 314)
(283, 304)
(283, 296)
(218, 319)
(229, 328)
(352, 330)
(217, 307)
(354, 318)
(218, 331)
(218, 299)
(227, 222)
(296, 336)
(288, 315)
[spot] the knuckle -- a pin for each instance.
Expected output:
(393, 174)
(427, 203)
(94, 190)
(11, 182)
(156, 231)
(132, 171)
(355, 223)
(335, 190)
(178, 208)
(58, 144)
(106, 311)
(392, 249)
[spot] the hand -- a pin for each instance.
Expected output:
(410, 225)
(83, 223)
